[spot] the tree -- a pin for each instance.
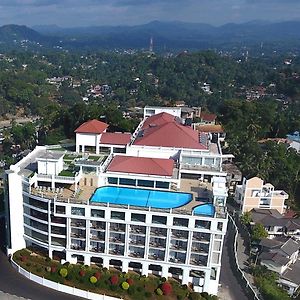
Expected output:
(258, 232)
(246, 218)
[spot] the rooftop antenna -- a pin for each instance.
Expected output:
(151, 45)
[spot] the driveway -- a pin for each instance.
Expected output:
(13, 283)
(230, 286)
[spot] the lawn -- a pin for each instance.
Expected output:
(129, 286)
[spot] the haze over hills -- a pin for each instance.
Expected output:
(166, 35)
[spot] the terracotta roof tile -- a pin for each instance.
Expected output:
(208, 117)
(165, 130)
(115, 138)
(141, 165)
(92, 126)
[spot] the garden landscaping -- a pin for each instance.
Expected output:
(129, 286)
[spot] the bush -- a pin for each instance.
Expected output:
(28, 264)
(82, 272)
(63, 272)
(114, 279)
(66, 264)
(130, 281)
(125, 285)
(53, 269)
(93, 279)
(195, 296)
(166, 288)
(48, 269)
(148, 294)
(24, 258)
(159, 292)
(163, 279)
(97, 275)
(131, 290)
(126, 276)
(47, 259)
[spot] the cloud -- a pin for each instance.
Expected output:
(71, 13)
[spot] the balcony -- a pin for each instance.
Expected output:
(79, 224)
(136, 241)
(77, 246)
(116, 251)
(158, 232)
(157, 256)
(178, 246)
(141, 230)
(117, 239)
(179, 234)
(78, 234)
(200, 248)
(157, 243)
(203, 237)
(117, 227)
(198, 260)
(97, 236)
(136, 252)
(98, 225)
(97, 247)
(175, 258)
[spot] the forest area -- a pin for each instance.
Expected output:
(141, 79)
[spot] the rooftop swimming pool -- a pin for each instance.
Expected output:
(140, 197)
(205, 210)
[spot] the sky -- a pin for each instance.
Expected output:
(74, 13)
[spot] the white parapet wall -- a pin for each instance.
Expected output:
(61, 287)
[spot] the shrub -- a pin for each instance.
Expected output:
(163, 279)
(148, 294)
(47, 259)
(131, 290)
(53, 269)
(126, 275)
(97, 275)
(125, 285)
(195, 296)
(39, 269)
(159, 292)
(130, 281)
(66, 264)
(166, 288)
(114, 279)
(184, 287)
(139, 289)
(113, 288)
(24, 258)
(28, 264)
(93, 279)
(63, 272)
(48, 269)
(82, 272)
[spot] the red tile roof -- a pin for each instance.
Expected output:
(92, 126)
(164, 130)
(141, 165)
(210, 128)
(208, 117)
(115, 138)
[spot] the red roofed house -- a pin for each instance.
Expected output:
(88, 134)
(163, 135)
(142, 172)
(207, 118)
(116, 142)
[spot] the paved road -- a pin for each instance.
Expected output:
(13, 283)
(229, 282)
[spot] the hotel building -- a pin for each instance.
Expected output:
(152, 202)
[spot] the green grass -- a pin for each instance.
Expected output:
(95, 158)
(67, 173)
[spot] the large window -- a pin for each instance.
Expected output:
(162, 185)
(97, 213)
(127, 181)
(146, 183)
(117, 215)
(78, 211)
(138, 218)
(112, 180)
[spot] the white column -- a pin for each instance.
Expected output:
(106, 262)
(165, 271)
(87, 259)
(145, 268)
(52, 182)
(185, 276)
(125, 266)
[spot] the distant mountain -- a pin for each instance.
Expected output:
(166, 36)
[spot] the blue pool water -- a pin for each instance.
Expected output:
(140, 197)
(205, 210)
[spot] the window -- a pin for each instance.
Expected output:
(112, 180)
(126, 181)
(60, 209)
(162, 185)
(138, 218)
(159, 220)
(78, 211)
(202, 224)
(146, 183)
(213, 274)
(180, 222)
(97, 213)
(118, 215)
(220, 226)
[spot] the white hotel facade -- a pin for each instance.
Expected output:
(49, 204)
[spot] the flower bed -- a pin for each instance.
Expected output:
(129, 286)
